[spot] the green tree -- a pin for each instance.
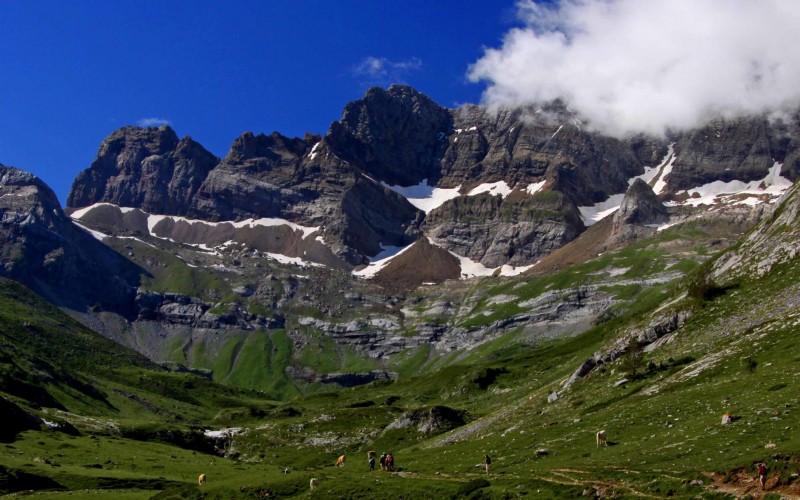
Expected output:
(633, 356)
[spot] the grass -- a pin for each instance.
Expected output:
(170, 274)
(139, 424)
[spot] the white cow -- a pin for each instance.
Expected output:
(313, 483)
(601, 438)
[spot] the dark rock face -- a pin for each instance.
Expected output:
(530, 144)
(147, 168)
(641, 206)
(516, 230)
(256, 178)
(301, 180)
(396, 135)
(43, 249)
(355, 379)
(741, 149)
(638, 215)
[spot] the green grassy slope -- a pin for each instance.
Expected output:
(736, 353)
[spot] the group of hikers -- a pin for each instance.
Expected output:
(386, 461)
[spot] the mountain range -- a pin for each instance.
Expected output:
(436, 282)
(334, 244)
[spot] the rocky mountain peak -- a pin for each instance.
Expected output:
(26, 196)
(501, 186)
(397, 135)
(638, 215)
(147, 168)
(45, 250)
(249, 148)
(641, 206)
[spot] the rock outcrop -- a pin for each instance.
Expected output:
(430, 420)
(177, 309)
(43, 249)
(516, 230)
(638, 216)
(772, 242)
(147, 168)
(740, 149)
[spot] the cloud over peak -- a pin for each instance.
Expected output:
(152, 122)
(382, 71)
(647, 66)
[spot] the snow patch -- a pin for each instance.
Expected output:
(425, 197)
(78, 214)
(153, 220)
(595, 213)
(499, 188)
(97, 234)
(313, 152)
(664, 170)
(739, 192)
(535, 187)
(291, 260)
(380, 260)
(472, 269)
(223, 433)
(469, 268)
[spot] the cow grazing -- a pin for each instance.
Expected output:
(313, 483)
(201, 479)
(601, 438)
(340, 461)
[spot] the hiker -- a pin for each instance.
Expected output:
(383, 461)
(371, 463)
(487, 461)
(762, 474)
(389, 462)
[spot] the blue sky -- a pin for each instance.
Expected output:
(73, 72)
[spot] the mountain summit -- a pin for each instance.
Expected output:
(501, 187)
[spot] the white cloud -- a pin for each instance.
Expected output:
(380, 70)
(645, 66)
(152, 122)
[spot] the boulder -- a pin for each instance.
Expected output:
(429, 420)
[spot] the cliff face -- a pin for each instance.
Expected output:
(46, 251)
(638, 215)
(742, 149)
(267, 236)
(147, 168)
(517, 175)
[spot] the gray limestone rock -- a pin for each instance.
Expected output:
(147, 168)
(638, 216)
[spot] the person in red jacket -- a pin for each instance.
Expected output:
(762, 474)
